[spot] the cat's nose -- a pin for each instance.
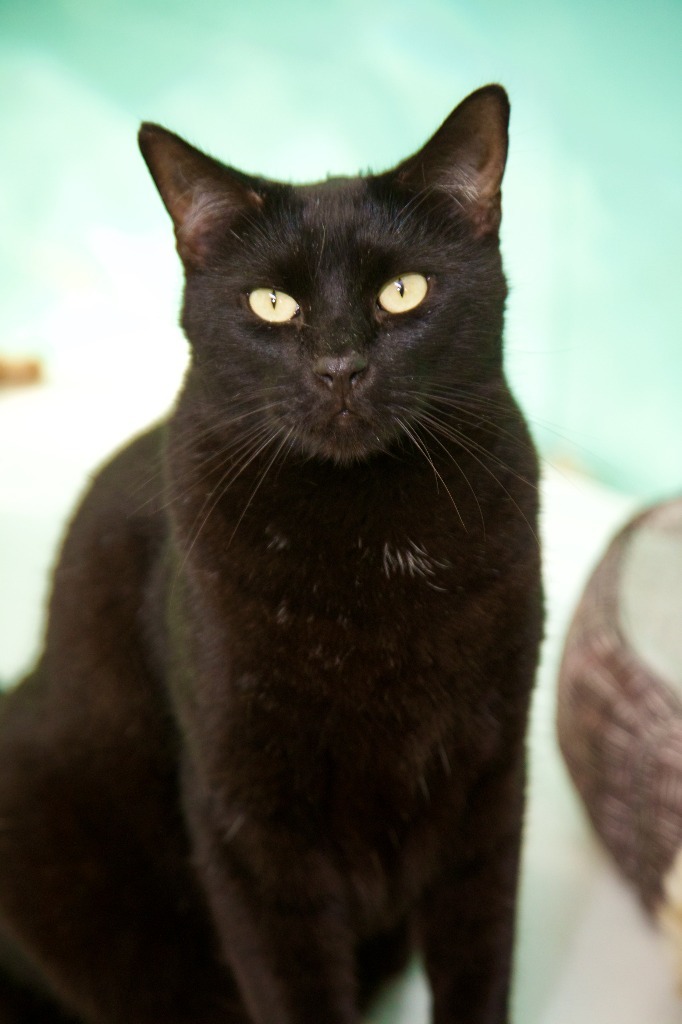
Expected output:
(340, 372)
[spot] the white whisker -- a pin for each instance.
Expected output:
(421, 447)
(261, 479)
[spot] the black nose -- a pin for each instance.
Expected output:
(340, 372)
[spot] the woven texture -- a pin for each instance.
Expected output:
(620, 724)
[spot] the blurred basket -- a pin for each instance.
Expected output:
(620, 707)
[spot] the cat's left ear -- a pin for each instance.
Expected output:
(200, 193)
(466, 158)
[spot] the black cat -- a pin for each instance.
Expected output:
(275, 740)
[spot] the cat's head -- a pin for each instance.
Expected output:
(329, 314)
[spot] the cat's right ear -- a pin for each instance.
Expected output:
(200, 193)
(465, 159)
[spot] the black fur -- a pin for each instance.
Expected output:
(275, 740)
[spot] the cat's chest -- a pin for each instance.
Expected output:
(337, 608)
(347, 588)
(361, 568)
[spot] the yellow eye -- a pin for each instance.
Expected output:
(403, 293)
(272, 305)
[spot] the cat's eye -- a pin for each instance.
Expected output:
(273, 305)
(403, 293)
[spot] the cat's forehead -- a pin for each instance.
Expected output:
(336, 222)
(336, 199)
(349, 210)
(342, 227)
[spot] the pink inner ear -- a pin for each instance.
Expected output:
(487, 215)
(200, 211)
(196, 212)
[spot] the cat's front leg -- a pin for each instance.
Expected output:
(467, 918)
(279, 910)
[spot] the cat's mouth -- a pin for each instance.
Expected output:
(344, 435)
(345, 415)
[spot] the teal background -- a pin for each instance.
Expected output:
(593, 195)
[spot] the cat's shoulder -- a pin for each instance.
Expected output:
(125, 495)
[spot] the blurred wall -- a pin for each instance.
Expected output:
(593, 198)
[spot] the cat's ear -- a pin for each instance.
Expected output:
(466, 158)
(200, 193)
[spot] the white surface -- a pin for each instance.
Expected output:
(651, 594)
(586, 955)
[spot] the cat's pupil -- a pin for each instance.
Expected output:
(400, 286)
